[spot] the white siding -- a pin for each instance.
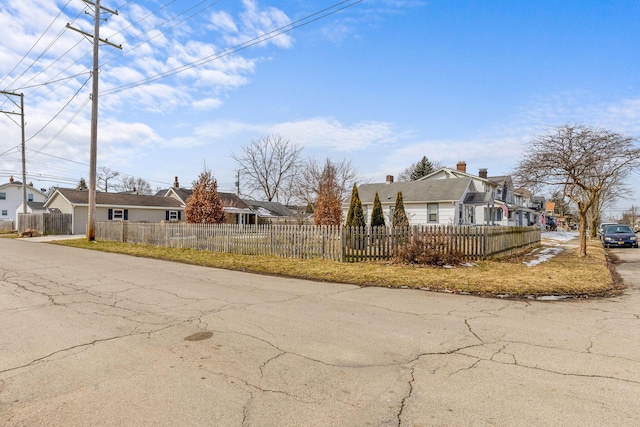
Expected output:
(13, 199)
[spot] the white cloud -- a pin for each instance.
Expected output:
(206, 104)
(322, 132)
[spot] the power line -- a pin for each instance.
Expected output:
(59, 112)
(34, 45)
(239, 47)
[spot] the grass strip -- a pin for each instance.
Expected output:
(564, 274)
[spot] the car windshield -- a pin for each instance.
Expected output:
(611, 229)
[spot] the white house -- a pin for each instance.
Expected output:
(503, 210)
(426, 202)
(11, 197)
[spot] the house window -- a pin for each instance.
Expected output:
(118, 214)
(30, 198)
(432, 212)
(391, 212)
(173, 215)
(3, 196)
(470, 213)
(5, 213)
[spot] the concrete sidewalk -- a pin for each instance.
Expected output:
(45, 239)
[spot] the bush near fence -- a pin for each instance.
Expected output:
(347, 244)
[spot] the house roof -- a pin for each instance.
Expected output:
(182, 193)
(435, 190)
(269, 208)
(456, 174)
(36, 206)
(30, 188)
(228, 200)
(478, 198)
(500, 179)
(81, 197)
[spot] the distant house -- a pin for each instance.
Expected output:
(236, 209)
(271, 212)
(426, 202)
(114, 207)
(11, 197)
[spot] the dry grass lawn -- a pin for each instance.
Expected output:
(564, 274)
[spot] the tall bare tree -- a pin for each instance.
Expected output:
(132, 183)
(105, 177)
(267, 164)
(613, 190)
(306, 184)
(581, 161)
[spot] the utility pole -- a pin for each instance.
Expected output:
(91, 219)
(238, 184)
(24, 168)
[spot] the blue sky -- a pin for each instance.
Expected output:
(381, 83)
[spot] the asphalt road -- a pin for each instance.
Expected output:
(97, 339)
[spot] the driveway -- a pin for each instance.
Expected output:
(90, 338)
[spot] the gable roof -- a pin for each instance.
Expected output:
(478, 198)
(455, 173)
(81, 197)
(435, 190)
(18, 184)
(36, 206)
(228, 200)
(266, 209)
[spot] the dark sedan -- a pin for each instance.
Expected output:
(619, 235)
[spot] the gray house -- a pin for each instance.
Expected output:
(114, 207)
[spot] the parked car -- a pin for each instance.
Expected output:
(619, 235)
(602, 226)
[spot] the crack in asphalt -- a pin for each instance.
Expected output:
(407, 395)
(180, 314)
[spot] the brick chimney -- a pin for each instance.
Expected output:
(11, 179)
(482, 173)
(176, 184)
(389, 179)
(462, 167)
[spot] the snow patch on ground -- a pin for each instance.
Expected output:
(543, 255)
(559, 236)
(548, 252)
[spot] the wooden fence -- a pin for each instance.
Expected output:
(336, 243)
(6, 226)
(46, 223)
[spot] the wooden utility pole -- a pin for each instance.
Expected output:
(24, 167)
(91, 219)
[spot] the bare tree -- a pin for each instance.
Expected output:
(581, 161)
(104, 176)
(631, 217)
(613, 190)
(132, 183)
(267, 164)
(306, 185)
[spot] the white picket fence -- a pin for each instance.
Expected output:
(327, 242)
